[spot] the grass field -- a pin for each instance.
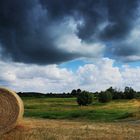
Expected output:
(67, 108)
(63, 119)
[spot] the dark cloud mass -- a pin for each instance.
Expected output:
(25, 26)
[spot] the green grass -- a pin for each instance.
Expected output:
(67, 108)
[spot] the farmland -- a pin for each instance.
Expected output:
(67, 108)
(63, 119)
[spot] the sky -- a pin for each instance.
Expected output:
(60, 45)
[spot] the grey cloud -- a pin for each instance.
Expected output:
(125, 52)
(25, 34)
(120, 16)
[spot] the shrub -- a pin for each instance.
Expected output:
(84, 98)
(104, 97)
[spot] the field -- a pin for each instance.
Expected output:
(67, 108)
(63, 119)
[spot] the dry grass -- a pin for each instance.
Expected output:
(77, 129)
(39, 129)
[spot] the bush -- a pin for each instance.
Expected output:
(84, 98)
(105, 97)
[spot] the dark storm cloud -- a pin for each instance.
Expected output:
(25, 33)
(24, 36)
(125, 50)
(118, 13)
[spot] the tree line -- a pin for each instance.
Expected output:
(85, 97)
(128, 93)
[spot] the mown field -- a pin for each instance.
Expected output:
(63, 119)
(67, 108)
(48, 129)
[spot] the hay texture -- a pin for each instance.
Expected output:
(11, 110)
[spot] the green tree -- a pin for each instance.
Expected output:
(129, 93)
(116, 93)
(84, 98)
(78, 91)
(105, 96)
(74, 92)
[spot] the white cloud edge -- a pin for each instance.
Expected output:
(93, 77)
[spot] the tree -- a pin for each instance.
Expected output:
(73, 92)
(111, 90)
(78, 91)
(84, 98)
(116, 93)
(104, 96)
(129, 93)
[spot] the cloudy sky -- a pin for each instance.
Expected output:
(59, 45)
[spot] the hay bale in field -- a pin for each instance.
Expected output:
(11, 110)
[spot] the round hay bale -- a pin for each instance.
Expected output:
(11, 110)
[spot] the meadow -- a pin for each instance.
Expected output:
(63, 119)
(67, 108)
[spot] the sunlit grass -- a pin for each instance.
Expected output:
(40, 129)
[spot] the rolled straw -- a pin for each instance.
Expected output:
(11, 110)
